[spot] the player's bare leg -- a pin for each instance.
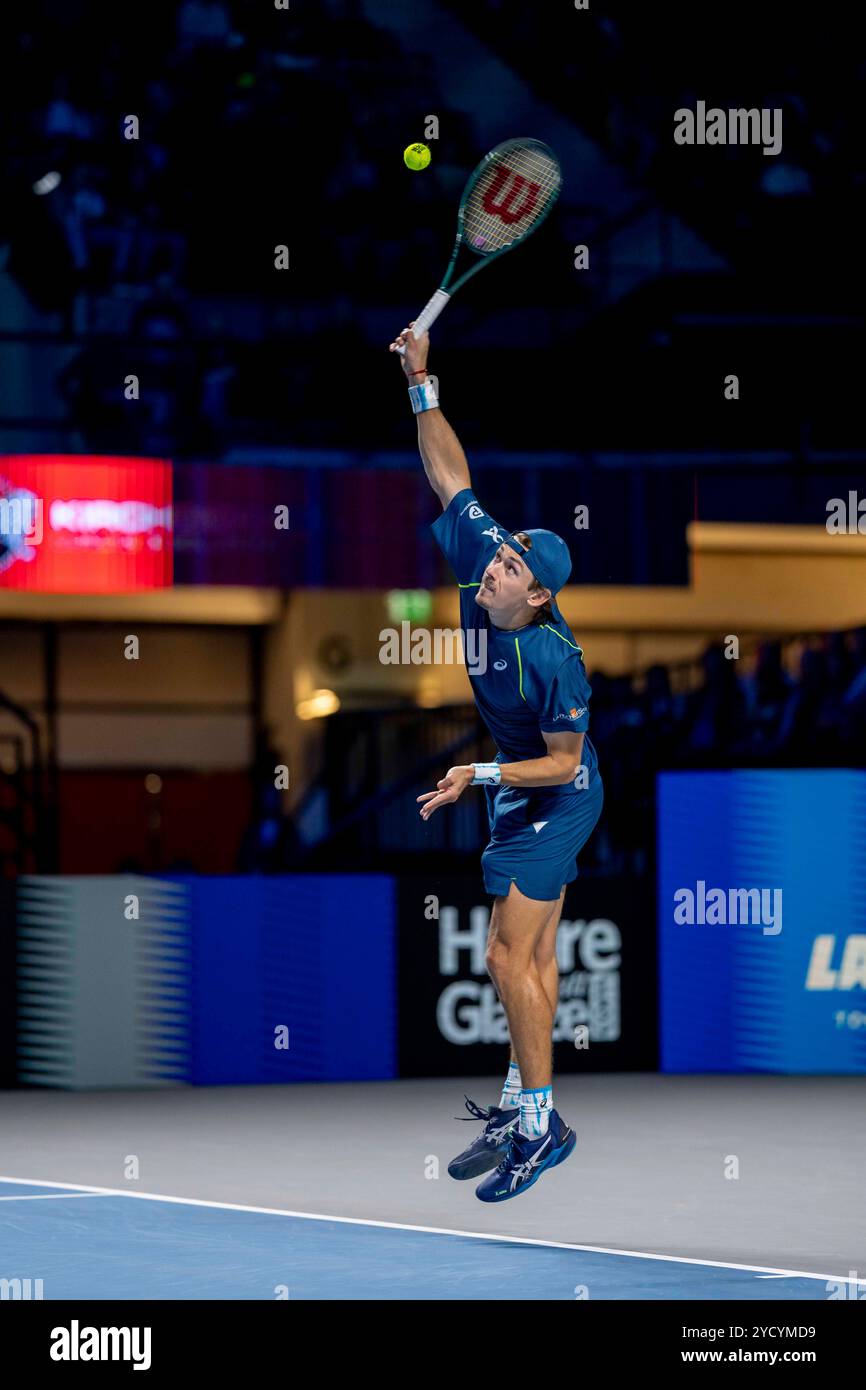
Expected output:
(545, 961)
(518, 927)
(545, 957)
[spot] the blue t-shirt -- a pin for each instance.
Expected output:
(525, 680)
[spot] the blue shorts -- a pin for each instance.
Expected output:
(535, 837)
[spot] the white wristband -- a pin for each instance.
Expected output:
(489, 773)
(423, 396)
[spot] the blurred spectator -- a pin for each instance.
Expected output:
(715, 712)
(766, 693)
(203, 21)
(64, 122)
(218, 378)
(801, 735)
(76, 204)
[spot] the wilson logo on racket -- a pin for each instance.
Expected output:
(504, 210)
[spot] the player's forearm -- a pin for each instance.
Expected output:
(442, 455)
(548, 771)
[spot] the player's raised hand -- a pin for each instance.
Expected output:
(449, 788)
(413, 352)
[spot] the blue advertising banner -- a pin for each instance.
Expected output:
(762, 921)
(293, 979)
(141, 980)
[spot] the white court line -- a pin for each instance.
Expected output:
(50, 1196)
(85, 1188)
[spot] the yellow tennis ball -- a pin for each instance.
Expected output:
(416, 156)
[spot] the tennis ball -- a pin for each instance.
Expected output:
(416, 156)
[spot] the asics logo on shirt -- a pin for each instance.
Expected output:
(494, 533)
(499, 665)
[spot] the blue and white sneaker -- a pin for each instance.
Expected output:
(485, 1152)
(526, 1159)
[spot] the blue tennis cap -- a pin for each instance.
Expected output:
(548, 560)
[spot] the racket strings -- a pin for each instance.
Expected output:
(513, 192)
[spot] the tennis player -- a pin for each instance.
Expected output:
(544, 792)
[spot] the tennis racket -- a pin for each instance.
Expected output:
(505, 199)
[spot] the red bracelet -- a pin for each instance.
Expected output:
(418, 373)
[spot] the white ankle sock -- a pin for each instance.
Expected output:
(511, 1090)
(535, 1108)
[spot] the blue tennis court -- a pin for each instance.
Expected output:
(97, 1244)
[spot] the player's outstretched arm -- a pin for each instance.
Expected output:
(441, 452)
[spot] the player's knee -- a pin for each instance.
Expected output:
(495, 956)
(500, 957)
(505, 959)
(544, 954)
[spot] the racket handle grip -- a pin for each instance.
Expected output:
(430, 313)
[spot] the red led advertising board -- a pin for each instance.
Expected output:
(84, 524)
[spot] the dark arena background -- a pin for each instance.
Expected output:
(243, 984)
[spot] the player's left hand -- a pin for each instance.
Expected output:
(452, 785)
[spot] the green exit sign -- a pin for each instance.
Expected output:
(409, 605)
